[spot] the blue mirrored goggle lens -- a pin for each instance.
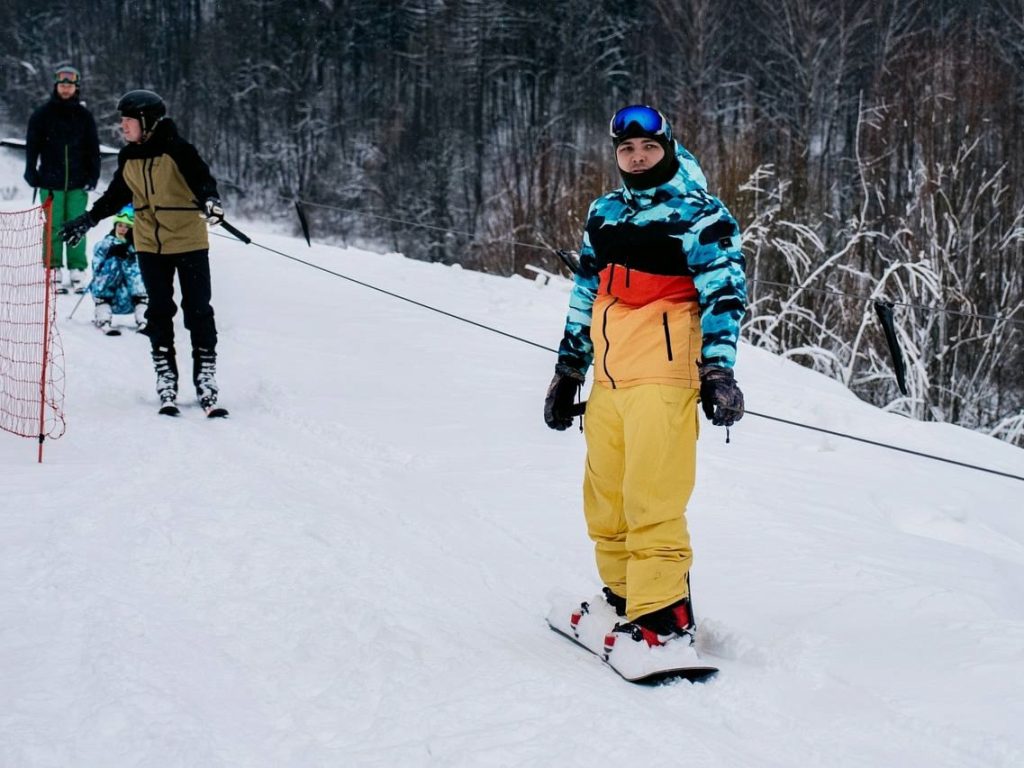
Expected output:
(649, 120)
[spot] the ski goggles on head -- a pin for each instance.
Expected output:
(647, 121)
(67, 76)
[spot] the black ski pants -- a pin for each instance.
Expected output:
(193, 270)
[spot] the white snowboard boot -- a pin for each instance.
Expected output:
(590, 621)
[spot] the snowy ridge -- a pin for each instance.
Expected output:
(354, 569)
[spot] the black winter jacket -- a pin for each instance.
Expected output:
(62, 140)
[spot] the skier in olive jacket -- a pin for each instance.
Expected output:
(169, 184)
(62, 160)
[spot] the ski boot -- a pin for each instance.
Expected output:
(140, 315)
(102, 319)
(204, 376)
(166, 366)
(78, 284)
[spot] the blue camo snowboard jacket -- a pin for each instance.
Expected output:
(651, 263)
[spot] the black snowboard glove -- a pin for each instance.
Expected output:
(120, 250)
(720, 395)
(32, 178)
(561, 396)
(74, 230)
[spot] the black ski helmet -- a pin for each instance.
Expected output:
(145, 106)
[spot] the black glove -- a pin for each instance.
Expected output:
(74, 230)
(119, 250)
(720, 395)
(561, 395)
(213, 212)
(32, 177)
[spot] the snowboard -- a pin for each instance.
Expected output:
(632, 661)
(216, 412)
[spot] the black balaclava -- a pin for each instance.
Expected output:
(661, 172)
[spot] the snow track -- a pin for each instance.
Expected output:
(353, 569)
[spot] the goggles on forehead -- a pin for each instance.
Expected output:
(648, 120)
(67, 77)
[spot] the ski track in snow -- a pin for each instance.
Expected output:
(353, 569)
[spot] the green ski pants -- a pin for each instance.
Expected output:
(66, 206)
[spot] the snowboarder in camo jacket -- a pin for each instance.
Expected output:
(661, 283)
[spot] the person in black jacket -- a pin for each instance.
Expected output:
(63, 161)
(172, 191)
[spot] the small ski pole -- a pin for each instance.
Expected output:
(88, 289)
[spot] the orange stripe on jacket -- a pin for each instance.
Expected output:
(638, 288)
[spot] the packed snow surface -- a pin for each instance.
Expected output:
(354, 569)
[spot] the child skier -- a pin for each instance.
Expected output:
(117, 286)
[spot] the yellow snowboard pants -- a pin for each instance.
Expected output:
(641, 468)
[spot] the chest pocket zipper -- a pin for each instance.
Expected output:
(668, 336)
(607, 342)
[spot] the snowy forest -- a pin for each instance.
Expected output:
(872, 150)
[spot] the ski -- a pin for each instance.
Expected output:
(169, 409)
(62, 291)
(216, 412)
(108, 329)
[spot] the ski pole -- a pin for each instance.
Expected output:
(240, 235)
(223, 223)
(88, 289)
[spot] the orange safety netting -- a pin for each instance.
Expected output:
(31, 354)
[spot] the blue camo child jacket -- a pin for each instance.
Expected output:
(116, 279)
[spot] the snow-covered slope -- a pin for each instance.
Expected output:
(354, 569)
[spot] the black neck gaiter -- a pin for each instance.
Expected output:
(662, 172)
